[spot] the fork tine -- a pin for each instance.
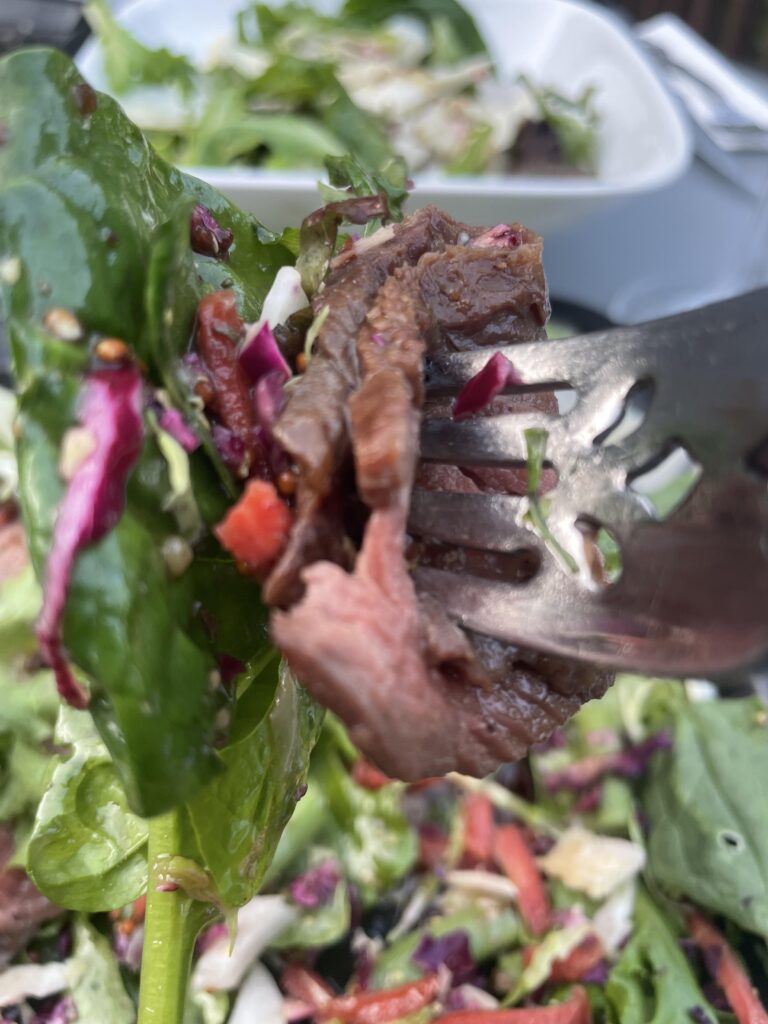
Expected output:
(573, 361)
(487, 441)
(515, 614)
(470, 520)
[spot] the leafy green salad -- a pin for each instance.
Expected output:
(289, 86)
(187, 838)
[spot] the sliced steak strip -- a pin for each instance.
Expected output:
(420, 695)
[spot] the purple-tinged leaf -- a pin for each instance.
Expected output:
(92, 504)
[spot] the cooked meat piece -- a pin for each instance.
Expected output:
(486, 296)
(22, 906)
(313, 427)
(408, 685)
(420, 695)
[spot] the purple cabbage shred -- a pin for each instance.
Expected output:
(229, 446)
(110, 409)
(315, 888)
(206, 234)
(451, 949)
(172, 422)
(478, 393)
(261, 355)
(631, 763)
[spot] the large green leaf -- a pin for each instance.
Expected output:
(93, 221)
(653, 982)
(239, 816)
(708, 811)
(87, 851)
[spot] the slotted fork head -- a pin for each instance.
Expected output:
(692, 597)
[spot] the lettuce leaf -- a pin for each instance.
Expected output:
(708, 818)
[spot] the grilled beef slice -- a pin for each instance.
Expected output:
(420, 695)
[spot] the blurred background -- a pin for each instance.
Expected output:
(693, 240)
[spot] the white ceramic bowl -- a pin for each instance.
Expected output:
(643, 142)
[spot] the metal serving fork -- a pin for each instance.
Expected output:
(692, 596)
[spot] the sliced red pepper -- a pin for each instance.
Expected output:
(478, 830)
(575, 1010)
(381, 1007)
(727, 971)
(574, 965)
(305, 986)
(218, 329)
(516, 861)
(368, 775)
(256, 528)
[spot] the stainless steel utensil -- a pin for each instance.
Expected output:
(692, 597)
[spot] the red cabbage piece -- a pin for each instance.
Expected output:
(497, 374)
(110, 409)
(451, 949)
(631, 764)
(206, 234)
(229, 446)
(503, 236)
(172, 422)
(315, 888)
(261, 355)
(269, 398)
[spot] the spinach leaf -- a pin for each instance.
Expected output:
(653, 982)
(94, 979)
(87, 850)
(708, 817)
(463, 29)
(29, 707)
(238, 817)
(82, 193)
(348, 176)
(127, 62)
(83, 202)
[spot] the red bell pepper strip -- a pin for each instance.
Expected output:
(478, 830)
(305, 986)
(575, 1010)
(256, 528)
(727, 971)
(581, 959)
(218, 329)
(381, 1007)
(515, 860)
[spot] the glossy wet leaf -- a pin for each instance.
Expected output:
(94, 222)
(708, 812)
(653, 983)
(239, 816)
(88, 850)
